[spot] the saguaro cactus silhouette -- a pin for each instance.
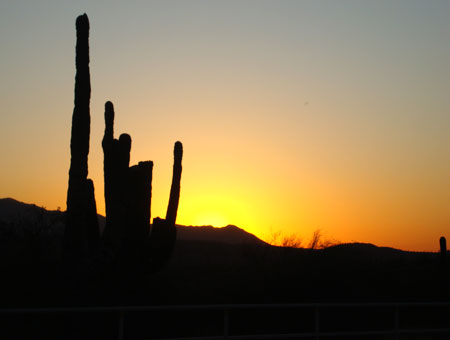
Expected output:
(127, 189)
(443, 269)
(443, 253)
(81, 234)
(163, 234)
(128, 200)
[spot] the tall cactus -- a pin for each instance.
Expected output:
(128, 201)
(81, 234)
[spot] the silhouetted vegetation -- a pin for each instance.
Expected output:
(127, 251)
(81, 237)
(443, 269)
(295, 241)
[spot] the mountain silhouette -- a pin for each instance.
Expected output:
(11, 209)
(16, 212)
(230, 235)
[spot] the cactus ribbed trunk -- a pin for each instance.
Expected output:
(81, 233)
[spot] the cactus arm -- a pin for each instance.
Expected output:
(124, 151)
(113, 175)
(163, 234)
(174, 198)
(107, 145)
(109, 124)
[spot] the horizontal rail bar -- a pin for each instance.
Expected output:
(214, 307)
(230, 307)
(311, 335)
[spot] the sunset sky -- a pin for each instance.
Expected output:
(294, 115)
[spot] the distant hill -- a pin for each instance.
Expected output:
(19, 213)
(361, 252)
(13, 211)
(16, 212)
(229, 235)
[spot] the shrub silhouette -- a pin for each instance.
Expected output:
(126, 238)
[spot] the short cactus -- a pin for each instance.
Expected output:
(443, 269)
(443, 245)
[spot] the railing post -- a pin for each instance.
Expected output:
(317, 322)
(225, 322)
(121, 325)
(396, 322)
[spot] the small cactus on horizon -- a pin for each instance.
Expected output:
(443, 248)
(443, 269)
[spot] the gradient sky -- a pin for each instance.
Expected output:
(294, 115)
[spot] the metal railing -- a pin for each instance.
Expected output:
(316, 332)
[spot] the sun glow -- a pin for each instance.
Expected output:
(217, 211)
(213, 218)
